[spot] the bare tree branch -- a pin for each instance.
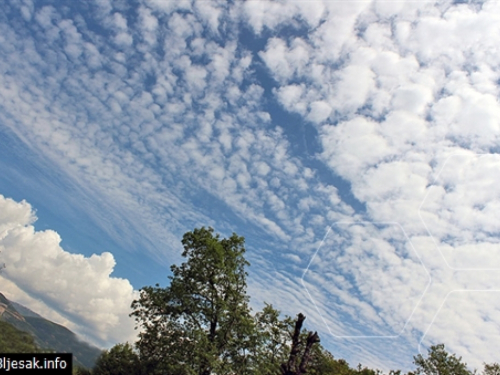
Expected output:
(291, 367)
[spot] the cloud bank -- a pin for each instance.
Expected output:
(78, 289)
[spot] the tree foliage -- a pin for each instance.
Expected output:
(119, 360)
(13, 340)
(82, 371)
(201, 323)
(440, 362)
(272, 336)
(491, 369)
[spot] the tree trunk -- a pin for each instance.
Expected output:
(292, 367)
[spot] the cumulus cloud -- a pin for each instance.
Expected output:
(79, 289)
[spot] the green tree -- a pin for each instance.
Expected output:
(323, 363)
(271, 341)
(275, 342)
(81, 371)
(491, 369)
(301, 350)
(439, 362)
(200, 324)
(119, 360)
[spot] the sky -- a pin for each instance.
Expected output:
(354, 144)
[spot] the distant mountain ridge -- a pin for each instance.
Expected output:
(47, 334)
(24, 311)
(6, 312)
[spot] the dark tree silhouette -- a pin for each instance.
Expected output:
(294, 366)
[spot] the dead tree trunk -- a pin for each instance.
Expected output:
(294, 366)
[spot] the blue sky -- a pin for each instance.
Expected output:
(353, 144)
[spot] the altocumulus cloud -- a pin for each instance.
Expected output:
(75, 288)
(395, 90)
(155, 107)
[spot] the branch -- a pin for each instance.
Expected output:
(291, 367)
(312, 339)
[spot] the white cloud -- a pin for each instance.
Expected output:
(464, 322)
(391, 180)
(209, 13)
(195, 77)
(77, 288)
(409, 84)
(386, 10)
(168, 7)
(149, 22)
(149, 25)
(270, 14)
(392, 90)
(13, 215)
(335, 34)
(353, 87)
(352, 146)
(459, 211)
(183, 26)
(313, 13)
(123, 39)
(404, 129)
(373, 262)
(26, 8)
(412, 99)
(45, 15)
(262, 14)
(285, 61)
(119, 21)
(319, 111)
(290, 97)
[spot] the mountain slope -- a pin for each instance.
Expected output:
(24, 311)
(13, 340)
(47, 334)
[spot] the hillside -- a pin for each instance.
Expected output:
(13, 340)
(45, 334)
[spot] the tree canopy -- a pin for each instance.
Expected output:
(201, 324)
(440, 362)
(119, 360)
